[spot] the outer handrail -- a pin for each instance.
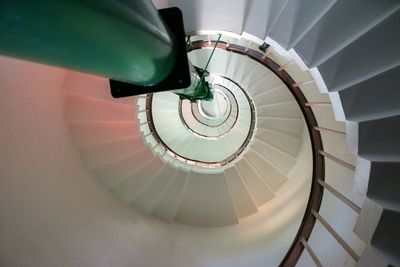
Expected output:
(318, 183)
(316, 192)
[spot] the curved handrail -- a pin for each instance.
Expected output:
(210, 164)
(195, 114)
(316, 193)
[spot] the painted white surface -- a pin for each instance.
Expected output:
(55, 214)
(361, 178)
(337, 106)
(371, 258)
(212, 15)
(352, 137)
(319, 80)
(368, 220)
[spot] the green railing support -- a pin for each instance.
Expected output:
(120, 39)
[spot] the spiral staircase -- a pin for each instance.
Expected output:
(228, 182)
(153, 154)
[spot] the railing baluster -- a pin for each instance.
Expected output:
(337, 160)
(248, 46)
(305, 230)
(340, 240)
(266, 54)
(337, 194)
(311, 252)
(310, 104)
(322, 129)
(286, 65)
(303, 83)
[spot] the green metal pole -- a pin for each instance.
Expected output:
(120, 39)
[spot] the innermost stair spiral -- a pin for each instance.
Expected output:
(217, 108)
(209, 134)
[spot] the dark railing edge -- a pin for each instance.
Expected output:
(316, 192)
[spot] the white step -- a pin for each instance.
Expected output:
(206, 201)
(281, 160)
(241, 196)
(256, 77)
(252, 72)
(289, 126)
(243, 69)
(93, 86)
(269, 82)
(83, 108)
(169, 204)
(278, 94)
(155, 190)
(114, 171)
(271, 175)
(99, 154)
(287, 109)
(128, 187)
(235, 61)
(284, 142)
(218, 62)
(165, 126)
(259, 190)
(86, 133)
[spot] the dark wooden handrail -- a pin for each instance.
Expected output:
(316, 193)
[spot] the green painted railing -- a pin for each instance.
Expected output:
(123, 40)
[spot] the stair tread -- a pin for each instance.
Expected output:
(265, 84)
(281, 160)
(209, 191)
(241, 196)
(268, 172)
(285, 109)
(83, 108)
(154, 191)
(86, 133)
(289, 126)
(259, 190)
(130, 186)
(112, 172)
(93, 86)
(169, 204)
(274, 95)
(286, 143)
(99, 154)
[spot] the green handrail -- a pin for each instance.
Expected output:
(124, 40)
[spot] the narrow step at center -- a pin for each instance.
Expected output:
(215, 109)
